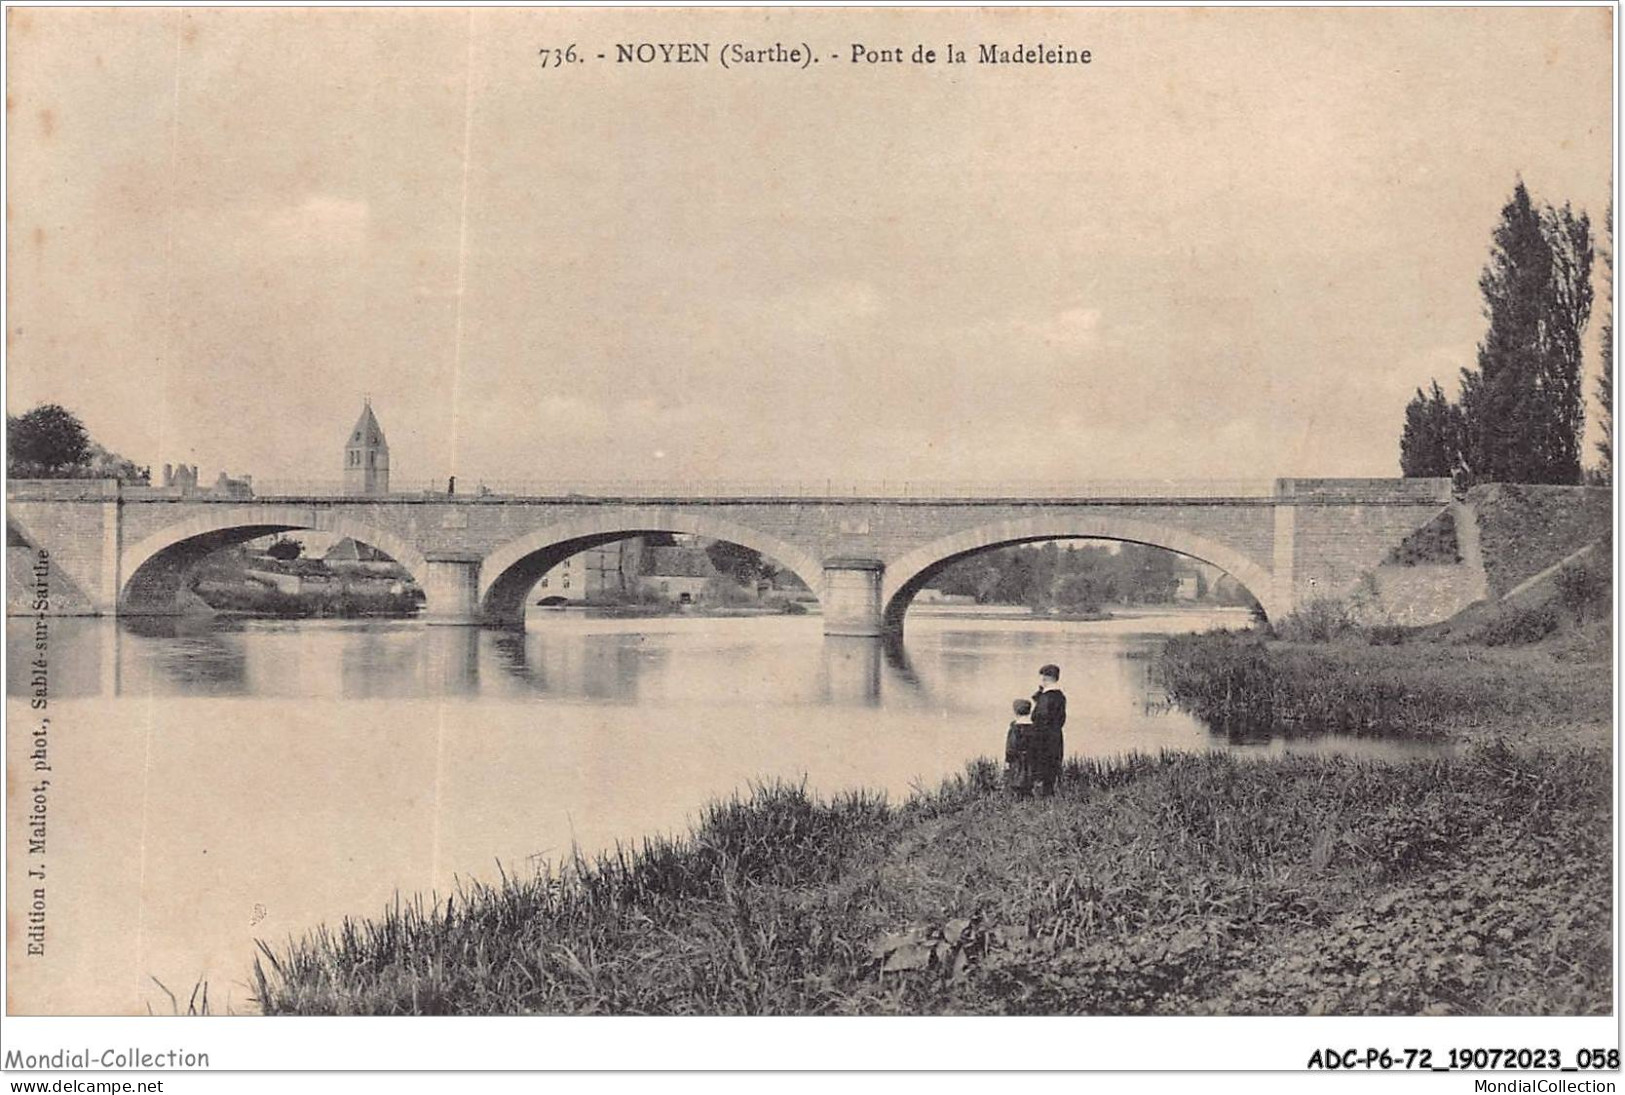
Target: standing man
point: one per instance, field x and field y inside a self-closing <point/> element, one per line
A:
<point x="1049" y="715"/>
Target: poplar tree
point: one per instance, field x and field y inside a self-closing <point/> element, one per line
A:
<point x="1430" y="447"/>
<point x="1605" y="381"/>
<point x="1523" y="407"/>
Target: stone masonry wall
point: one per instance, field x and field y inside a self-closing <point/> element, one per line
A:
<point x="78" y="534"/>
<point x="1335" y="546"/>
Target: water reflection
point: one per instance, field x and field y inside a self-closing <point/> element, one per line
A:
<point x="895" y="653"/>
<point x="180" y="657"/>
<point x="951" y="669"/>
<point x="375" y="659"/>
<point x="607" y="667"/>
<point x="451" y="660"/>
<point x="715" y="670"/>
<point x="851" y="668"/>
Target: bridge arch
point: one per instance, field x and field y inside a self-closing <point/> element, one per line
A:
<point x="508" y="573"/>
<point x="907" y="575"/>
<point x="151" y="569"/>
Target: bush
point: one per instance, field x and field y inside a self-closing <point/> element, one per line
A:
<point x="1584" y="586"/>
<point x="723" y="590"/>
<point x="1322" y="620"/>
<point x="1516" y="625"/>
<point x="1078" y="593"/>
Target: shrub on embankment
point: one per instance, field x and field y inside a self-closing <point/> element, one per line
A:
<point x="1178" y="884"/>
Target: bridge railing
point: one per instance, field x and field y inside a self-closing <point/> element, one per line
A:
<point x="466" y="489"/>
<point x="63" y="490"/>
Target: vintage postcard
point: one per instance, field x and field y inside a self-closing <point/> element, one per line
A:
<point x="1093" y="512"/>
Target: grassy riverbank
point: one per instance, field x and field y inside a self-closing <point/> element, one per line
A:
<point x="1536" y="673"/>
<point x="1421" y="690"/>
<point x="1180" y="884"/>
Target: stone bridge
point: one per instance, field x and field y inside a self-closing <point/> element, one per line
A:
<point x="116" y="549"/>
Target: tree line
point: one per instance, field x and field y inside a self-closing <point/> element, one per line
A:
<point x="1519" y="416"/>
<point x="49" y="442"/>
<point x="1076" y="578"/>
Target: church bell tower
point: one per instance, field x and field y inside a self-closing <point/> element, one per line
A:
<point x="366" y="456"/>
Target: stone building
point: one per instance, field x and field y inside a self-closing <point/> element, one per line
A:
<point x="366" y="456"/>
<point x="182" y="479"/>
<point x="609" y="572"/>
<point x="679" y="573"/>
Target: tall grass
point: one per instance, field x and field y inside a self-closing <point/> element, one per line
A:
<point x="1173" y="884"/>
<point x="594" y="935"/>
<point x="1419" y="690"/>
<point x="196" y="1004"/>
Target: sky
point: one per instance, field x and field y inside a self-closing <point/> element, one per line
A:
<point x="1230" y="247"/>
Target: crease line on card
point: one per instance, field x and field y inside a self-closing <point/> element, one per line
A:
<point x="163" y="423"/>
<point x="456" y="376"/>
<point x="462" y="243"/>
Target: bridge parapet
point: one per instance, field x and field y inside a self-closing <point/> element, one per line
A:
<point x="1118" y="491"/>
<point x="62" y="490"/>
<point x="1346" y="491"/>
<point x="720" y="490"/>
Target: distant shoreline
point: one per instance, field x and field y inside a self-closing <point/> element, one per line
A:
<point x="935" y="611"/>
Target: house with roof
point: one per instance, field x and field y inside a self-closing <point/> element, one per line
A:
<point x="608" y="572"/>
<point x="351" y="556"/>
<point x="679" y="573"/>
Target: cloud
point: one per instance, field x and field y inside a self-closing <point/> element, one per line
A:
<point x="830" y="305"/>
<point x="1070" y="328"/>
<point x="570" y="414"/>
<point x="1038" y="332"/>
<point x="322" y="224"/>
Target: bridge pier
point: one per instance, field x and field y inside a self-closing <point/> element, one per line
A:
<point x="451" y="588"/>
<point x="851" y="599"/>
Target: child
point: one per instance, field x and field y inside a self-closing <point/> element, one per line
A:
<point x="1019" y="744"/>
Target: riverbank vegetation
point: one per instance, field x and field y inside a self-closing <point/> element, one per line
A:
<point x="1417" y="689"/>
<point x="1176" y="884"/>
<point x="1532" y="667"/>
<point x="232" y="581"/>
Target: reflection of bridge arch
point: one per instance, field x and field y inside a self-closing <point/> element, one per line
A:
<point x="907" y="575"/>
<point x="151" y="569"/>
<point x="508" y="573"/>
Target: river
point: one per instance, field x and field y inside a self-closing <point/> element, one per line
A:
<point x="220" y="781"/>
